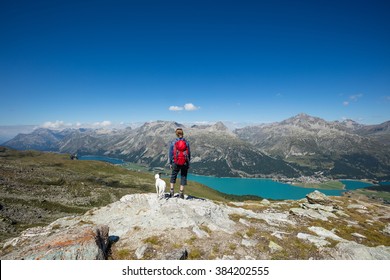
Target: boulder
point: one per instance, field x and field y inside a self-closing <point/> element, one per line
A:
<point x="265" y="202"/>
<point x="355" y="251"/>
<point x="317" y="197"/>
<point x="78" y="243"/>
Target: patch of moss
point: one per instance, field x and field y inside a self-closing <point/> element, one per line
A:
<point x="296" y="249"/>
<point x="154" y="240"/>
<point x="206" y="229"/>
<point x="236" y="217"/>
<point x="251" y="232"/>
<point x="191" y="240"/>
<point x="121" y="254"/>
<point x="232" y="246"/>
<point x="194" y="254"/>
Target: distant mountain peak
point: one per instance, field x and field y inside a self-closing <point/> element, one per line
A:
<point x="220" y="126"/>
<point x="302" y="115"/>
<point x="302" y="118"/>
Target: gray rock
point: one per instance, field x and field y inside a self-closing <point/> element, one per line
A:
<point x="279" y="234"/>
<point x="317" y="197"/>
<point x="387" y="229"/>
<point x="357" y="206"/>
<point x="140" y="252"/>
<point x="265" y="202"/>
<point x="244" y="222"/>
<point x="358" y="235"/>
<point x="248" y="242"/>
<point x="317" y="206"/>
<point x="355" y="251"/>
<point x="324" y="233"/>
<point x="310" y="213"/>
<point x="199" y="233"/>
<point x="316" y="240"/>
<point x="274" y="247"/>
<point x="146" y="211"/>
<point x="228" y="257"/>
<point x="175" y="222"/>
<point x="342" y="213"/>
<point x="273" y="219"/>
<point x="327" y="214"/>
<point x="180" y="254"/>
<point x="78" y="243"/>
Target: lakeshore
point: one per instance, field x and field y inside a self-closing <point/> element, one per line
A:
<point x="270" y="188"/>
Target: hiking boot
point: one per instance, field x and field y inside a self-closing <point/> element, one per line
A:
<point x="181" y="195"/>
<point x="171" y="193"/>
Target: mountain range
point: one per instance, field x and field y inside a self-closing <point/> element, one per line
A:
<point x="301" y="145"/>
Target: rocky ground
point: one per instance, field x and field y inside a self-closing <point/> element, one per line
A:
<point x="54" y="208"/>
<point x="141" y="226"/>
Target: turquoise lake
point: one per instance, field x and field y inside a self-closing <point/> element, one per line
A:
<point x="265" y="188"/>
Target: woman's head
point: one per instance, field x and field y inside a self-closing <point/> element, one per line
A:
<point x="179" y="132"/>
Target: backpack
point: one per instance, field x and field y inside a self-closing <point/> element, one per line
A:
<point x="180" y="152"/>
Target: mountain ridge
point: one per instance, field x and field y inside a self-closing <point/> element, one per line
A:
<point x="300" y="145"/>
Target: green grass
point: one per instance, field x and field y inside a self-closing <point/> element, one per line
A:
<point x="135" y="167"/>
<point x="374" y="194"/>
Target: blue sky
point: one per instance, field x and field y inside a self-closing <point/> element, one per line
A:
<point x="245" y="61"/>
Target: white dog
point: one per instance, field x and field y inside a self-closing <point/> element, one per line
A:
<point x="160" y="186"/>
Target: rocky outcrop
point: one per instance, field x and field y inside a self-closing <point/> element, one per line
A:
<point x="80" y="242"/>
<point x="141" y="226"/>
<point x="317" y="197"/>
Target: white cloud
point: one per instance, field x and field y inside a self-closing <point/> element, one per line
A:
<point x="190" y="107"/>
<point x="54" y="125"/>
<point x="187" y="107"/>
<point x="352" y="98"/>
<point x="59" y="125"/>
<point x="106" y="123"/>
<point x="103" y="124"/>
<point x="355" y="97"/>
<point x="175" y="108"/>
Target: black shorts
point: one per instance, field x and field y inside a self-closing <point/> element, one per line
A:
<point x="183" y="169"/>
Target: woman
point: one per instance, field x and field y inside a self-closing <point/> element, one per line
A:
<point x="179" y="161"/>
